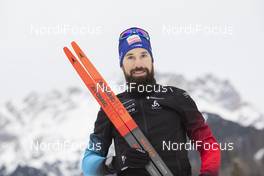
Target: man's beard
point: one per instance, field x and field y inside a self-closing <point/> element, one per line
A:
<point x="145" y="80"/>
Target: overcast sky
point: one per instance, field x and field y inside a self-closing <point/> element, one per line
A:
<point x="188" y="37"/>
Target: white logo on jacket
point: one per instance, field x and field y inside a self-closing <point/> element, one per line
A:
<point x="155" y="105"/>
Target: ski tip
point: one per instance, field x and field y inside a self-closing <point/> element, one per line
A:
<point x="69" y="55"/>
<point x="77" y="49"/>
<point x="65" y="49"/>
<point x="73" y="43"/>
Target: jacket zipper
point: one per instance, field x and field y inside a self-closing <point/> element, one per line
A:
<point x="143" y="115"/>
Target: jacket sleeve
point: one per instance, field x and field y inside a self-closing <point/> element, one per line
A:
<point x="97" y="149"/>
<point x="200" y="133"/>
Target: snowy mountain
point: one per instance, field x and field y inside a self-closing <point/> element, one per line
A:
<point x="217" y="96"/>
<point x="48" y="131"/>
<point x="46" y="134"/>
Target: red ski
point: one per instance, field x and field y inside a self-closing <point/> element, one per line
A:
<point x="115" y="110"/>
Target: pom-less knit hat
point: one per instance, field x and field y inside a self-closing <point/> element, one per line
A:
<point x="133" y="38"/>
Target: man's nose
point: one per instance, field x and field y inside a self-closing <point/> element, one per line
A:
<point x="138" y="62"/>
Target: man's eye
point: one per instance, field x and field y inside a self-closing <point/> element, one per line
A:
<point x="144" y="55"/>
<point x="130" y="57"/>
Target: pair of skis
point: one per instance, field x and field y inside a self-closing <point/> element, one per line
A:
<point x="115" y="110"/>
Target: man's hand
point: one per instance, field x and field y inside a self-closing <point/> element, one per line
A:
<point x="131" y="158"/>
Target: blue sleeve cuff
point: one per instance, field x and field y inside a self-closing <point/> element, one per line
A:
<point x="92" y="163"/>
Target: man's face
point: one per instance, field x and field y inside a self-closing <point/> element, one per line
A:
<point x="137" y="66"/>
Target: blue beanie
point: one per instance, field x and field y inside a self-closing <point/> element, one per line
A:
<point x="134" y="40"/>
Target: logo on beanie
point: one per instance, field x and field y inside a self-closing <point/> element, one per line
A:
<point x="133" y="39"/>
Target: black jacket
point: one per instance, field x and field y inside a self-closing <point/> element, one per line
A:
<point x="166" y="115"/>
